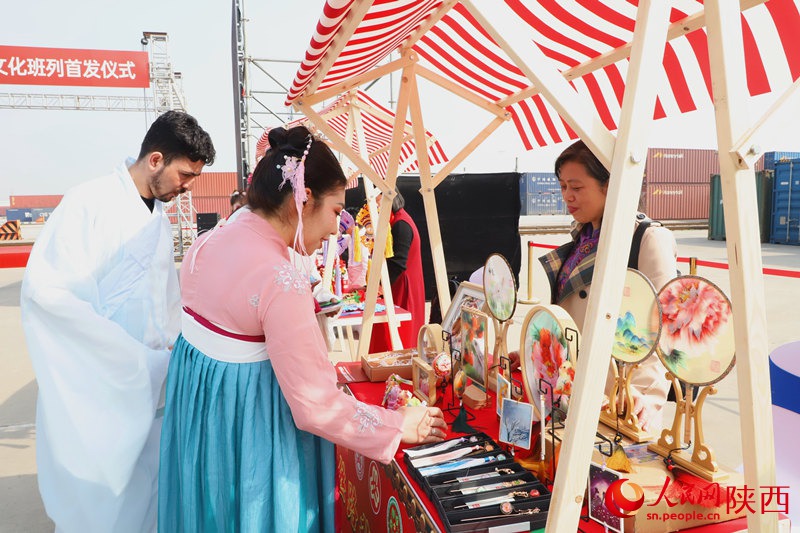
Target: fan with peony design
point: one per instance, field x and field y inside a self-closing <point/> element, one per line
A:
<point x="697" y="348"/>
<point x="548" y="348"/>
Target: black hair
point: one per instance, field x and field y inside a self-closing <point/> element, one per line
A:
<point x="579" y="153"/>
<point x="237" y="197"/>
<point x="177" y="134"/>
<point x="323" y="173"/>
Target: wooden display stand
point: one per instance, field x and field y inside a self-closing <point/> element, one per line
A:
<point x="702" y="462"/>
<point x="619" y="413"/>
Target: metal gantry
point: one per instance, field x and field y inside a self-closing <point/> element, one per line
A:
<point x="167" y="95"/>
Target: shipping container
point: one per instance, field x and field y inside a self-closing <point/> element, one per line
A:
<point x="203" y="204"/>
<point x="770" y="159"/>
<point x="680" y="165"/>
<point x="676" y="201"/>
<point x="716" y="214"/>
<point x="23" y="215"/>
<point x="786" y="203"/>
<point x="41" y="214"/>
<point x="215" y="184"/>
<point x="3" y="209"/>
<point x="35" y="200"/>
<point x="540" y="194"/>
<point x="212" y="204"/>
<point x="545" y="204"/>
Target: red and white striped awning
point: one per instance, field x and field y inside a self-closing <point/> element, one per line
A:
<point x="588" y="40"/>
<point x="377" y="122"/>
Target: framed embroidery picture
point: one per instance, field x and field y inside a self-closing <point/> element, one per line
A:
<point x="469" y="294"/>
<point x="475" y="345"/>
<point x="424" y="380"/>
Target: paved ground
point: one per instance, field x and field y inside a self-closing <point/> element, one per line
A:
<point x="20" y="506"/>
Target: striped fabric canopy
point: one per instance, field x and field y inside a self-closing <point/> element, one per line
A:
<point x="588" y="40"/>
<point x="377" y="122"/>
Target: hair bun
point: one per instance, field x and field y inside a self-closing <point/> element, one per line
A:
<point x="277" y="137"/>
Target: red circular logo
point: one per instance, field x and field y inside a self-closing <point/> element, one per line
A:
<point x="620" y="505"/>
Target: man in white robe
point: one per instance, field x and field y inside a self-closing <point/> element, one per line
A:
<point x="101" y="309"/>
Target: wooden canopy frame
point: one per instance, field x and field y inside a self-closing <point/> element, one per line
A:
<point x="624" y="155"/>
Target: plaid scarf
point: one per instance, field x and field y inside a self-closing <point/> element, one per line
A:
<point x="580" y="254"/>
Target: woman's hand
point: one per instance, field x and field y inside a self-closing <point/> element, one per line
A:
<point x="422" y="425"/>
<point x="648" y="410"/>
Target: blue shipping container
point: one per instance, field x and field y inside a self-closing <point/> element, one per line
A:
<point x="540" y="194"/>
<point x="23" y="215"/>
<point x="786" y="203"/>
<point x="773" y="158"/>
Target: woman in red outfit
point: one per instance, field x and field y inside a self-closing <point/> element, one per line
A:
<point x="405" y="273"/>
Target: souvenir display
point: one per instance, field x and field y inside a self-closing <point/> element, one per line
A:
<point x="696" y="343"/>
<point x="603" y="485"/>
<point x="442" y="367"/>
<point x="697" y="347"/>
<point x="516" y="421"/>
<point x="548" y="346"/>
<point x="502" y="392"/>
<point x="475" y="487"/>
<point x="395" y="397"/>
<point x="475" y="346"/>
<point x="424" y="380"/>
<point x="430" y="341"/>
<point x="501" y="300"/>
<point x="635" y="339"/>
<point x="499" y="287"/>
<point x="639" y="320"/>
<point x="379" y="366"/>
<point x="468" y="294"/>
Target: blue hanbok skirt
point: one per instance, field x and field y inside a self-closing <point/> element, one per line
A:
<point x="232" y="458"/>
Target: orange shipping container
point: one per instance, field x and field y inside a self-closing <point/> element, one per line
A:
<point x="676" y="201"/>
<point x="215" y="184"/>
<point x="680" y="165"/>
<point x="212" y="204"/>
<point x="34" y="200"/>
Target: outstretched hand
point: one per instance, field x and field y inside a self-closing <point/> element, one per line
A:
<point x="422" y="425"/>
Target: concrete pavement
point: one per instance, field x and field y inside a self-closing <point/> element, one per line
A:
<point x="20" y="505"/>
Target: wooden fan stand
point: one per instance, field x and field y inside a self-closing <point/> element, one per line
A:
<point x="619" y="414"/>
<point x="701" y="463"/>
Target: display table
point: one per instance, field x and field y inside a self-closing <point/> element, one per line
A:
<point x="346" y="321"/>
<point x="375" y="497"/>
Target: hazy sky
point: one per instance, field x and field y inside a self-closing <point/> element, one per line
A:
<point x="47" y="152"/>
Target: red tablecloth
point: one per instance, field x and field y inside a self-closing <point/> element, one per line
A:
<point x="486" y="420"/>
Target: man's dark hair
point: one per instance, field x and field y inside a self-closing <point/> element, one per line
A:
<point x="177" y="134"/>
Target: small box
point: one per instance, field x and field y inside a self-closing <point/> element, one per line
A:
<point x="379" y="366"/>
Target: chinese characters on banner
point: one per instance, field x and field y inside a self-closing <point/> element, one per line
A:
<point x="24" y="65"/>
<point x="774" y="498"/>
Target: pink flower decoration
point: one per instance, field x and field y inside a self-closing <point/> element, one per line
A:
<point x="693" y="312"/>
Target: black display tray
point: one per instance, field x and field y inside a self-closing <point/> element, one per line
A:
<point x="442" y="489"/>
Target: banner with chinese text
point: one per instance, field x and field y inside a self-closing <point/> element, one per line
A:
<point x="26" y="65"/>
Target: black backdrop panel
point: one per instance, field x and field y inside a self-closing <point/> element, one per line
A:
<point x="478" y="216"/>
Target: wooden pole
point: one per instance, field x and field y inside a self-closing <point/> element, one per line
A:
<point x="729" y="81"/>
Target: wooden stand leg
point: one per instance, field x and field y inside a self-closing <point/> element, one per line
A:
<point x="702" y="462"/>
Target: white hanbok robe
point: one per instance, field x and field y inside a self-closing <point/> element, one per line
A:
<point x="101" y="310"/>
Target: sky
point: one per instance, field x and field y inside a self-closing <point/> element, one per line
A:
<point x="47" y="152"/>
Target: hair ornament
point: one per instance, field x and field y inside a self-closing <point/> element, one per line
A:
<point x="293" y="172"/>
